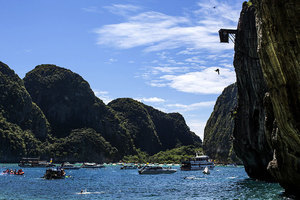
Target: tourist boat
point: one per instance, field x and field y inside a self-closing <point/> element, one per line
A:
<point x="54" y="173"/>
<point x="92" y="165"/>
<point x="35" y="162"/>
<point x="197" y="163"/>
<point x="156" y="170"/>
<point x="129" y="167"/>
<point x="68" y="166"/>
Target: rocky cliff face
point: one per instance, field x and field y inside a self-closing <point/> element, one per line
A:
<point x="267" y="126"/>
<point x="218" y="132"/>
<point x="69" y="103"/>
<point x="172" y="129"/>
<point x="83" y="128"/>
<point x="152" y="130"/>
<point x="279" y="52"/>
<point x="250" y="143"/>
<point x="137" y="120"/>
<point x="22" y="122"/>
<point x="16" y="104"/>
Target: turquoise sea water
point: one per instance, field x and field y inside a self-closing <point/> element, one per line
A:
<point x="113" y="183"/>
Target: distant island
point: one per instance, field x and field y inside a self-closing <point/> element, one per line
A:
<point x="53" y="113"/>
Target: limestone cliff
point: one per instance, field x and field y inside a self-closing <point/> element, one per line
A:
<point x="218" y="132"/>
<point x="152" y="130"/>
<point x="250" y="143"/>
<point x="279" y="52"/>
<point x="69" y="103"/>
<point x="172" y="129"/>
<point x="136" y="119"/>
<point x="16" y="104"/>
<point x="22" y="122"/>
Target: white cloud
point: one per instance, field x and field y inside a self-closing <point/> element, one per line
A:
<point x="192" y="37"/>
<point x="227" y="65"/>
<point x="195" y="59"/>
<point x="170" y="70"/>
<point x="197" y="126"/>
<point x="103" y="95"/>
<point x="151" y="100"/>
<point x="194" y="106"/>
<point x="206" y="81"/>
<point x="122" y="9"/>
<point x="196" y="29"/>
<point x="157" y="31"/>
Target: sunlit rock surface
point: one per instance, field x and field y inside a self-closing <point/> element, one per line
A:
<point x="279" y="52"/>
<point x="250" y="142"/>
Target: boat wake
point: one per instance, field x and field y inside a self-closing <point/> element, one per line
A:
<point x="232" y="177"/>
<point x="193" y="178"/>
<point x="86" y="192"/>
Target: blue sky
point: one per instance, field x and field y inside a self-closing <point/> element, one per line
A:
<point x="160" y="52"/>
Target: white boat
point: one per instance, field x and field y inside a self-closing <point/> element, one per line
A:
<point x="197" y="163"/>
<point x="68" y="166"/>
<point x="206" y="170"/>
<point x="35" y="162"/>
<point x="129" y="167"/>
<point x="92" y="165"/>
<point x="156" y="170"/>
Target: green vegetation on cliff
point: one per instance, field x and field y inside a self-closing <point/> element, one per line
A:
<point x="137" y="121"/>
<point x="175" y="155"/>
<point x="22" y="123"/>
<point x="82" y="145"/>
<point x="16" y="105"/>
<point x="69" y="103"/>
<point x="152" y="130"/>
<point x="58" y="116"/>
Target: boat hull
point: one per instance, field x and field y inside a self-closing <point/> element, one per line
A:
<point x="195" y="168"/>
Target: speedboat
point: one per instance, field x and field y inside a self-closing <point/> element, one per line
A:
<point x="197" y="163"/>
<point x="92" y="165"/>
<point x="156" y="170"/>
<point x="68" y="166"/>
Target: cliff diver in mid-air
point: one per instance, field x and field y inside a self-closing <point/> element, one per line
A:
<point x="217" y="70"/>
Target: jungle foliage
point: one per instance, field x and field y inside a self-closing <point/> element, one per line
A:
<point x="53" y="113"/>
<point x="175" y="155"/>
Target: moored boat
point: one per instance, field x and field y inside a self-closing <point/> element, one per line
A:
<point x="35" y="162"/>
<point x="197" y="163"/>
<point x="69" y="166"/>
<point x="130" y="166"/>
<point x="156" y="170"/>
<point x="92" y="165"/>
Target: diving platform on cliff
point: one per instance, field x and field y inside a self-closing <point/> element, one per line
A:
<point x="226" y="34"/>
